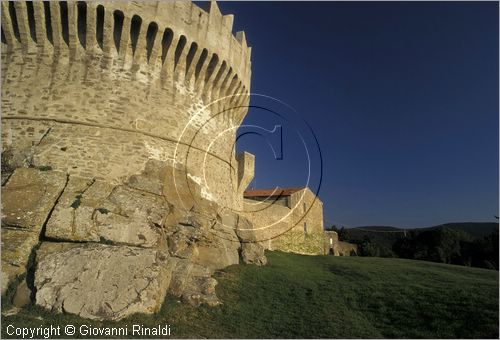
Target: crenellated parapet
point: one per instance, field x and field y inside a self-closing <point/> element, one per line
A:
<point x="101" y="87"/>
<point x="170" y="39"/>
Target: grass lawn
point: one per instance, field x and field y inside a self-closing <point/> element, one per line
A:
<point x="298" y="296"/>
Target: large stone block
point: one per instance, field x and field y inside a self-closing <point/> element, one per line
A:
<point x="99" y="281"/>
<point x="17" y="245"/>
<point x="151" y="179"/>
<point x="27" y="200"/>
<point x="193" y="283"/>
<point x="97" y="211"/>
<point x="253" y="253"/>
<point x="218" y="247"/>
<point x="29" y="196"/>
<point x="132" y="217"/>
<point x="70" y="220"/>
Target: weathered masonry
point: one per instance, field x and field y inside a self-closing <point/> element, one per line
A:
<point x="287" y="219"/>
<point x="291" y="220"/>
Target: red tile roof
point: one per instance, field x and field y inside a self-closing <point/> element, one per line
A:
<point x="271" y="192"/>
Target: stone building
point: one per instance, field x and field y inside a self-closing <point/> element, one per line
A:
<point x="333" y="246"/>
<point x="288" y="219"/>
<point x="291" y="219"/>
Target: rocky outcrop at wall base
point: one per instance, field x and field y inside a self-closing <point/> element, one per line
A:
<point x="27" y="201"/>
<point x="100" y="281"/>
<point x="105" y="251"/>
<point x="253" y="253"/>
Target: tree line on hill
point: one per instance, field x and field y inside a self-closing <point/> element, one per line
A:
<point x="439" y="244"/>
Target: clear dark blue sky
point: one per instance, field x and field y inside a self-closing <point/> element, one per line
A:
<point x="402" y="97"/>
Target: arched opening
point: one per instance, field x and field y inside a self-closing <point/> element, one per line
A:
<point x="203" y="58"/>
<point x="31" y="19"/>
<point x="220" y="73"/>
<point x="117" y="28"/>
<point x="166" y="41"/>
<point x="135" y="30"/>
<point x="178" y="49"/>
<point x="63" y="9"/>
<point x="81" y="22"/>
<point x="48" y="22"/>
<point x="330" y="252"/>
<point x="225" y="81"/>
<point x="190" y="55"/>
<point x="232" y="84"/>
<point x="99" y="26"/>
<point x="13" y="18"/>
<point x="211" y="66"/>
<point x="150" y="38"/>
<point x="234" y="93"/>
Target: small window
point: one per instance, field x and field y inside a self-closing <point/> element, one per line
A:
<point x="305" y="227"/>
<point x="304" y="207"/>
<point x="331" y="240"/>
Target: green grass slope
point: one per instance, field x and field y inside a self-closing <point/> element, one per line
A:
<point x="298" y="296"/>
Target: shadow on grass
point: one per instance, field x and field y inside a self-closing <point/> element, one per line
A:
<point x="297" y="296"/>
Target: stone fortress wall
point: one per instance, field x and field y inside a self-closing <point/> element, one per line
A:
<point x="95" y="89"/>
<point x="293" y="222"/>
<point x="119" y="173"/>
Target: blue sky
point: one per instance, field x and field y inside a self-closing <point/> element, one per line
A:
<point x="401" y="96"/>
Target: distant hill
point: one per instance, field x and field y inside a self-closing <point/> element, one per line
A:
<point x="382" y="235"/>
<point x="474" y="229"/>
<point x="464" y="243"/>
<point x="386" y="235"/>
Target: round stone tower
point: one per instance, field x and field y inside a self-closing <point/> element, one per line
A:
<point x="96" y="89"/>
<point x="118" y="165"/>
